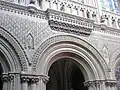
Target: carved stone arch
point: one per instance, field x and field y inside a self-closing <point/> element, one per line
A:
<point x="15" y="50"/>
<point x="114" y="61"/>
<point x="84" y="48"/>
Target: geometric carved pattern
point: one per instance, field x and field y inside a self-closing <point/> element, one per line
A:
<point x="20" y="28"/>
<point x="17" y="47"/>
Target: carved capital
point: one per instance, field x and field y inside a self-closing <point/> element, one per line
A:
<point x="110" y="83"/>
<point x="34" y="79"/>
<point x="93" y="83"/>
<point x="24" y="79"/>
<point x="5" y="77"/>
<point x="11" y="76"/>
<point x="44" y="78"/>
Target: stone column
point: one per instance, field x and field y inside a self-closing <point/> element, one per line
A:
<point x="24" y="82"/>
<point x="11" y="81"/>
<point x="5" y="79"/>
<point x="43" y="81"/>
<point x="34" y="81"/>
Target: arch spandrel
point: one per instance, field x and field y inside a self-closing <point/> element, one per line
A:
<point x="91" y="54"/>
<point x="10" y="46"/>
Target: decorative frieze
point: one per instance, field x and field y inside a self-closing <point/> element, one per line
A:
<point x="69" y="23"/>
<point x="23" y="10"/>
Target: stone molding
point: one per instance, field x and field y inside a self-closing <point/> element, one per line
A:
<point x="23" y="10"/>
<point x="69" y="39"/>
<point x="18" y="48"/>
<point x="69" y="23"/>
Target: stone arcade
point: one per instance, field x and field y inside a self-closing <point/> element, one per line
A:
<point x="59" y="45"/>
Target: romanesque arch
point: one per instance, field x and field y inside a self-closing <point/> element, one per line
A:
<point x="12" y="61"/>
<point x="115" y="67"/>
<point x="93" y="66"/>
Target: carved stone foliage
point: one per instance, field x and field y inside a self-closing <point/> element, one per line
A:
<point x="68" y="23"/>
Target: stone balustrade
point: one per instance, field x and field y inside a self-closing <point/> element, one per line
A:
<point x="70" y="7"/>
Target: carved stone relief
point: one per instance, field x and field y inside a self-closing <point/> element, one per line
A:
<point x="105" y="53"/>
<point x="29" y="42"/>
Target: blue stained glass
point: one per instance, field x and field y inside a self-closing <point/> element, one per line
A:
<point x="116" y="6"/>
<point x="110" y="5"/>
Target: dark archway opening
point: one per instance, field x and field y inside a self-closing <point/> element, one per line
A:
<point x="65" y="75"/>
<point x="1" y="83"/>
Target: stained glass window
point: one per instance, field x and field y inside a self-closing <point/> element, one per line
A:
<point x="116" y="6"/>
<point x="102" y="4"/>
<point x="107" y="5"/>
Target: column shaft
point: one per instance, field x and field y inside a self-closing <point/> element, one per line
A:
<point x="24" y="86"/>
